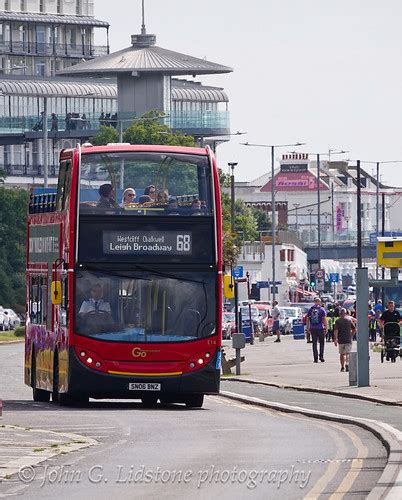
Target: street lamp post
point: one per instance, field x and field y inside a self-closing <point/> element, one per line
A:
<point x="232" y="166"/>
<point x="273" y="222"/>
<point x="297" y="205"/>
<point x="310" y="211"/>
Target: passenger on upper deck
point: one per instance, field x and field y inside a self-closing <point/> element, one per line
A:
<point x="107" y="199"/>
<point x="173" y="207"/>
<point x="150" y="191"/>
<point x="129" y="195"/>
<point x="145" y="200"/>
<point x="163" y="196"/>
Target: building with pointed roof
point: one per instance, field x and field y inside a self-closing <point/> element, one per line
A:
<point x="144" y="74"/>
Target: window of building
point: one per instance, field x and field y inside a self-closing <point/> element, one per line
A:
<point x="23" y="5"/>
<point x="282" y="255"/>
<point x="291" y="255"/>
<point x="42" y="6"/>
<point x="59" y="7"/>
<point x="78" y="7"/>
<point x="40" y="67"/>
<point x="6" y="4"/>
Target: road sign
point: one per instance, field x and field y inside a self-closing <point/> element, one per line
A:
<point x="262" y="284"/>
<point x="276" y="282"/>
<point x="319" y="286"/>
<point x="334" y="277"/>
<point x="238" y="271"/>
<point x="320" y="274"/>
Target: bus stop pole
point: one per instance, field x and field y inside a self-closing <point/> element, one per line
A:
<point x="236" y="298"/>
<point x="249" y="308"/>
<point x="363" y="357"/>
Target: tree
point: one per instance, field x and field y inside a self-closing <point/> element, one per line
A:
<point x="148" y="130"/>
<point x="246" y="223"/>
<point x="230" y="243"/>
<point x="13" y="216"/>
<point x="263" y="221"/>
<point x="105" y="136"/>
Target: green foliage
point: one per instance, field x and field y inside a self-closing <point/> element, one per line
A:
<point x="148" y="130"/>
<point x="19" y="331"/>
<point x="13" y="215"/>
<point x="262" y="218"/>
<point x="105" y="135"/>
<point x="246" y="223"/>
<point x="224" y="179"/>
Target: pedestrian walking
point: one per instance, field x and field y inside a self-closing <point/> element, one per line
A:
<point x="372" y="318"/>
<point x="316" y="324"/>
<point x="276" y="315"/>
<point x="343" y="332"/>
<point x="330" y="323"/>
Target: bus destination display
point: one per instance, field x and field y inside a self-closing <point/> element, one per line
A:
<point x="147" y="243"/>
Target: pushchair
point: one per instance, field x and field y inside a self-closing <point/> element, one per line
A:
<point x="391" y="347"/>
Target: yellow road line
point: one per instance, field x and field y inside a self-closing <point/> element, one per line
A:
<point x="355" y="468"/>
<point x="333" y="467"/>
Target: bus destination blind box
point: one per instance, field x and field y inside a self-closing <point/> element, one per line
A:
<point x="389" y="252"/>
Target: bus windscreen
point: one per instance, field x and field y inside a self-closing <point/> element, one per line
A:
<point x="145" y="305"/>
<point x="145" y="183"/>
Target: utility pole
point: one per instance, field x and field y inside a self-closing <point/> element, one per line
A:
<point x="232" y="166"/>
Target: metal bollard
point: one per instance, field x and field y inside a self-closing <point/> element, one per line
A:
<point x="238" y="343"/>
<point x="353" y="368"/>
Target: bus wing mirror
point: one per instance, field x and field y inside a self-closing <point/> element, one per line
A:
<point x="56" y="293"/>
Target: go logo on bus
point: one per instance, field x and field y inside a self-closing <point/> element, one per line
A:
<point x="137" y="352"/>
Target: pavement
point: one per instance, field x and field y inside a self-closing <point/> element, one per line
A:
<point x="22" y="449"/>
<point x="290" y="364"/>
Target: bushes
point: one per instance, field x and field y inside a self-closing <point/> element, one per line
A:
<point x="19" y="331"/>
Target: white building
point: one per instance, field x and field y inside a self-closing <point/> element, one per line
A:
<point x="41" y="37"/>
<point x="297" y="198"/>
<point x="290" y="268"/>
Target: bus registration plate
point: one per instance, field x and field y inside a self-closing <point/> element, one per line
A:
<point x="144" y="386"/>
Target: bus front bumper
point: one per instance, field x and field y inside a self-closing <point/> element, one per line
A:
<point x="100" y="385"/>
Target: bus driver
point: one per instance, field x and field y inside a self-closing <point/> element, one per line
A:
<point x="95" y="313"/>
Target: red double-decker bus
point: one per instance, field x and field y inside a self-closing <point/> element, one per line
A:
<point x="124" y="277"/>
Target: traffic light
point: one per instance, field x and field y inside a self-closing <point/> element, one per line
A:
<point x="312" y="280"/>
<point x="228" y="286"/>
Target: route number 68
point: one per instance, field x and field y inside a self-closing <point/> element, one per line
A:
<point x="183" y="243"/>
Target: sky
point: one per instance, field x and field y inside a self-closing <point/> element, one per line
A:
<point x="324" y="72"/>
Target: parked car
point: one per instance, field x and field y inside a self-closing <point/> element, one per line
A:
<point x="2" y="322"/>
<point x="264" y="311"/>
<point x="6" y="320"/>
<point x="304" y="306"/>
<point x="288" y="314"/>
<point x="228" y="325"/>
<point x="13" y="317"/>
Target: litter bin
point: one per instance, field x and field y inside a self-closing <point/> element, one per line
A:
<point x="298" y="329"/>
<point x="353" y="368"/>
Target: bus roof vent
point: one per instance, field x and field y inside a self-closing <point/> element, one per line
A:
<point x="118" y="144"/>
<point x="87" y="145"/>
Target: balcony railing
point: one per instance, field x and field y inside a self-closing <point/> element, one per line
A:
<point x="204" y="122"/>
<point x="52" y="49"/>
<point x="185" y="120"/>
<point x="29" y="170"/>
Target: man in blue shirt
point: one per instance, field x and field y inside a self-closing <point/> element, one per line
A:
<point x="378" y="306"/>
<point x="317" y="325"/>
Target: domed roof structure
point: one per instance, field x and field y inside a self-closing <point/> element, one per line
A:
<point x="145" y="57"/>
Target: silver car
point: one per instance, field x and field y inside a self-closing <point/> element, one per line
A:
<point x="288" y="314"/>
<point x="14" y="319"/>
